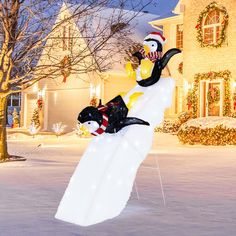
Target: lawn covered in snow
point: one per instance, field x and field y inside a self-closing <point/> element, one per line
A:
<point x="199" y="185"/>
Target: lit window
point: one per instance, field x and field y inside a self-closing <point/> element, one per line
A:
<point x="14" y="100"/>
<point x="67" y="38"/>
<point x="64" y="46"/>
<point x="70" y="41"/>
<point x="179" y="36"/>
<point x="212" y="27"/>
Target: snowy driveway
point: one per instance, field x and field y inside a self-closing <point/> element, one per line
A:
<point x="199" y="185"/>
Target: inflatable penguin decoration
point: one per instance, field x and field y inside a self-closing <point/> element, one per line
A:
<point x="152" y="54"/>
<point x="103" y="181"/>
<point x="109" y="118"/>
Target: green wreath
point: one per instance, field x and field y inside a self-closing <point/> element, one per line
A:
<point x="212" y="6"/>
<point x="213" y="95"/>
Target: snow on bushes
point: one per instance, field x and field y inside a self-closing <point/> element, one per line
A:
<point x="172" y="126"/>
<point x="209" y="131"/>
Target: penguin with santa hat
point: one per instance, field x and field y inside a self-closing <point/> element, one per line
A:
<point x="152" y="51"/>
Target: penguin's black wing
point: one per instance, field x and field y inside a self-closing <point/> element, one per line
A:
<point x="170" y="53"/>
<point x="139" y="56"/>
<point x="158" y="67"/>
<point x="128" y="121"/>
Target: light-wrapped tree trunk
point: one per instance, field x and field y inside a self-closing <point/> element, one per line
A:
<point x="3" y="136"/>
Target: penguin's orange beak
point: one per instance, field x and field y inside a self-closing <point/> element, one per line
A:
<point x="146" y="49"/>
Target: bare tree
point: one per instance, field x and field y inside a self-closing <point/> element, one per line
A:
<point x="26" y="30"/>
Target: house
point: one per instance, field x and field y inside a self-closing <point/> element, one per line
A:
<point x="61" y="99"/>
<point x="205" y="72"/>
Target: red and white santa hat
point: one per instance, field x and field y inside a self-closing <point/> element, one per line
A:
<point x="157" y="36"/>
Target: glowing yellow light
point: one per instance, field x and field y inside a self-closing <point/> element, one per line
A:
<point x="133" y="98"/>
<point x="146" y="68"/>
<point x="40" y="93"/>
<point x="130" y="71"/>
<point x="122" y="94"/>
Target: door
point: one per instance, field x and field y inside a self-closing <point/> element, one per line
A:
<point x="211" y="98"/>
<point x="214" y="98"/>
<point x="64" y="106"/>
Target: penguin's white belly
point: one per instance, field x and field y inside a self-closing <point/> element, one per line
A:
<point x="151" y="105"/>
<point x="102" y="182"/>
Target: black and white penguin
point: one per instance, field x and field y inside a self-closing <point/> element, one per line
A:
<point x="152" y="50"/>
<point x="108" y="118"/>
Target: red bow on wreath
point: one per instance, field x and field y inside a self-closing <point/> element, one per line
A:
<point x="234" y="105"/>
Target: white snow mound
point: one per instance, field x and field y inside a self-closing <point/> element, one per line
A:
<point x="211" y="122"/>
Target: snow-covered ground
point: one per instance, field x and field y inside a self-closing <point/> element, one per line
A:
<point x="199" y="185"/>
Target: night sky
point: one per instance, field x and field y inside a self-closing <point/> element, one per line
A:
<point x="158" y="7"/>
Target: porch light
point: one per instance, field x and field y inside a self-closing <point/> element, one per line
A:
<point x="95" y="90"/>
<point x="190" y="86"/>
<point x="40" y="93"/>
<point x="186" y="86"/>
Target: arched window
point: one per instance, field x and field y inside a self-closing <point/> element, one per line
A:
<point x="212" y="27"/>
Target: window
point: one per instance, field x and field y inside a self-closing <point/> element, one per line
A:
<point x="67" y="38"/>
<point x="64" y="46"/>
<point x="70" y="40"/>
<point x="212" y="27"/>
<point x="14" y="100"/>
<point x="179" y="36"/>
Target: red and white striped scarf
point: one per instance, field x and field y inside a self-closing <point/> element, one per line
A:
<point x="104" y="124"/>
<point x="152" y="56"/>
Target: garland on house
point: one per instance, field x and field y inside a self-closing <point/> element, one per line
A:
<point x="213" y="95"/>
<point x="226" y="75"/>
<point x="212" y="6"/>
<point x="190" y="99"/>
<point x="180" y="68"/>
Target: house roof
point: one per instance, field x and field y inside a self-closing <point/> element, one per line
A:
<point x="172" y="14"/>
<point x="138" y="28"/>
<point x="139" y="24"/>
<point x="166" y="15"/>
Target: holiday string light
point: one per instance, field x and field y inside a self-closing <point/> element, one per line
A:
<point x="33" y="129"/>
<point x="218" y="136"/>
<point x="172" y="126"/>
<point x="58" y="128"/>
